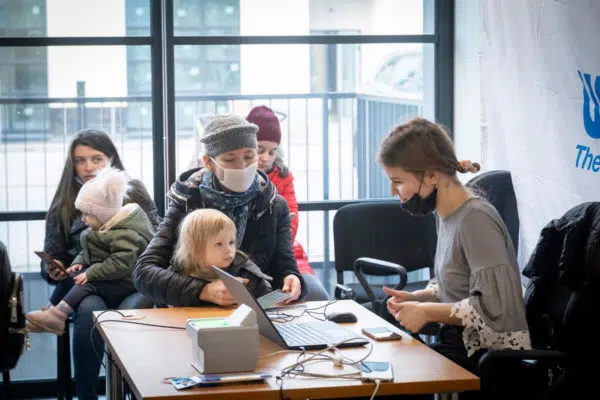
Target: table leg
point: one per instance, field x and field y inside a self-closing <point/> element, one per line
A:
<point x="114" y="381"/>
<point x="446" y="396"/>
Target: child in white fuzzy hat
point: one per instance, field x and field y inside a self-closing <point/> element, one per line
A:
<point x="116" y="236"/>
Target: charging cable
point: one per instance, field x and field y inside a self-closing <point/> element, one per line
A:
<point x="377" y="383"/>
<point x="296" y="369"/>
<point x="125" y="319"/>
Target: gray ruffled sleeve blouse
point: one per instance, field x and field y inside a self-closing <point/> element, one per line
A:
<point x="476" y="269"/>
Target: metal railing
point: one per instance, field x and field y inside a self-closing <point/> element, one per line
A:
<point x="329" y="143"/>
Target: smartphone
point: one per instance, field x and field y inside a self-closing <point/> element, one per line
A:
<point x="270" y="299"/>
<point x="381" y="333"/>
<point x="371" y="370"/>
<point x="49" y="260"/>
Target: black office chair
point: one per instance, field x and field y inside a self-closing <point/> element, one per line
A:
<point x="561" y="304"/>
<point x="497" y="188"/>
<point x="364" y="234"/>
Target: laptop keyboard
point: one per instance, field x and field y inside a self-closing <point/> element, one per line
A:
<point x="310" y="334"/>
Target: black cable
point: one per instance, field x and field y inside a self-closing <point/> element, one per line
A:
<point x="281" y="316"/>
<point x="98" y="322"/>
<point x="126" y="388"/>
<point x="279" y="379"/>
<point x="92" y="339"/>
<point x="302" y="353"/>
<point x="312" y="310"/>
<point x="125" y="385"/>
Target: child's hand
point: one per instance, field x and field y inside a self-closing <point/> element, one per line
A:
<point x="216" y="293"/>
<point x="81" y="279"/>
<point x="74" y="268"/>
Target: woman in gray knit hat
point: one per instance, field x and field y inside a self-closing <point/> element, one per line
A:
<point x="231" y="183"/>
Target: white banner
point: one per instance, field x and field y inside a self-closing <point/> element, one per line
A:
<point x="540" y="80"/>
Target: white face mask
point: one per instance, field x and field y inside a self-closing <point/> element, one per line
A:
<point x="237" y="180"/>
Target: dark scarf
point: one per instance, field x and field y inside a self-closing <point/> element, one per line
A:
<point x="236" y="206"/>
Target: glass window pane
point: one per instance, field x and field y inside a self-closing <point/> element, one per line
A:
<point x="302" y="17"/>
<point x="34" y="134"/>
<point x="72" y="18"/>
<point x="338" y="99"/>
<point x="207" y="69"/>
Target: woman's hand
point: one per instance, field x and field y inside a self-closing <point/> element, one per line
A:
<point x="291" y="284"/>
<point x="398" y="296"/>
<point x="216" y="293"/>
<point x="81" y="279"/>
<point x="56" y="273"/>
<point x="411" y="315"/>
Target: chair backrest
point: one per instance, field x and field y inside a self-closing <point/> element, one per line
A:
<point x="497" y="188"/>
<point x="564" y="289"/>
<point x="385" y="231"/>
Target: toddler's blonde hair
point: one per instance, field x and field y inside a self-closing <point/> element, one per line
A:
<point x="194" y="232"/>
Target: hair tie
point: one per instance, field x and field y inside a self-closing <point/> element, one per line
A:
<point x="465" y="166"/>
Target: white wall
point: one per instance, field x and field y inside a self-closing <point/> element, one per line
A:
<point x="104" y="68"/>
<point x="274" y="68"/>
<point x="532" y="53"/>
<point x="467" y="84"/>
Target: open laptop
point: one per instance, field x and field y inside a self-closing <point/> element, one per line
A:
<point x="290" y="335"/>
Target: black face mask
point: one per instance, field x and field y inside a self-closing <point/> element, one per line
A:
<point x="417" y="205"/>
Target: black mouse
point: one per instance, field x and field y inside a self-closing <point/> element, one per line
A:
<point x="341" y="317"/>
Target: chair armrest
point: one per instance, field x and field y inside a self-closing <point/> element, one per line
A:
<point x="491" y="361"/>
<point x="539" y="355"/>
<point x="343" y="292"/>
<point x="370" y="266"/>
<point x="497" y="367"/>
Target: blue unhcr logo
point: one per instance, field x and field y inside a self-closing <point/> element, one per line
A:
<point x="591" y="114"/>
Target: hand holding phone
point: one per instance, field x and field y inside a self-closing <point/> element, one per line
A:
<point x="381" y="333"/>
<point x="275" y="297"/>
<point x="53" y="264"/>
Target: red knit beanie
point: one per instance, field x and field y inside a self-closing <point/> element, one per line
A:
<point x="268" y="124"/>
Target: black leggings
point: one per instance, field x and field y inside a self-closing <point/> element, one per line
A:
<point x="507" y="376"/>
<point x="450" y="345"/>
<point x="112" y="292"/>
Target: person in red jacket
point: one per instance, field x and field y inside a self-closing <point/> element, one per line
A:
<point x="269" y="161"/>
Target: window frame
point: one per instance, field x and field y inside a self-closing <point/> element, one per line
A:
<point x="162" y="41"/>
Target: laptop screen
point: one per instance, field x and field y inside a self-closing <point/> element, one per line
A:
<point x="240" y="293"/>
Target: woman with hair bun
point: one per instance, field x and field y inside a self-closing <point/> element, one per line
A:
<point x="476" y="295"/>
